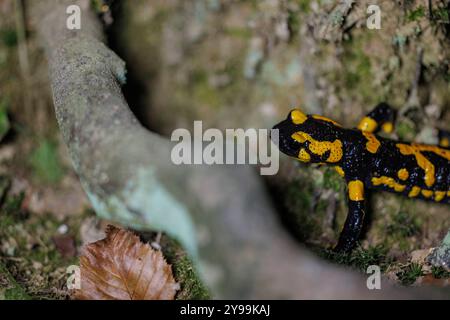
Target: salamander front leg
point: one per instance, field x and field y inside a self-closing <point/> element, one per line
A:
<point x="355" y="217"/>
<point x="381" y="117"/>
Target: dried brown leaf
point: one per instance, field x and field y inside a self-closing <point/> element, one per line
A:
<point x="121" y="267"/>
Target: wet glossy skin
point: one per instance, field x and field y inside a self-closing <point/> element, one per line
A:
<point x="367" y="161"/>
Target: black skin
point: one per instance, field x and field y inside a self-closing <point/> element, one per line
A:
<point x="443" y="134"/>
<point x="358" y="163"/>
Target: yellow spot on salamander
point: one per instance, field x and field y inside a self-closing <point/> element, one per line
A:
<point x="416" y="150"/>
<point x="427" y="193"/>
<point x="356" y="190"/>
<point x="300" y="137"/>
<point x="444" y="143"/>
<point x="414" y="192"/>
<point x="320" y="147"/>
<point x="339" y="171"/>
<point x="318" y="117"/>
<point x="304" y="156"/>
<point x="373" y="143"/>
<point x="368" y="124"/>
<point x="439" y="195"/>
<point x="298" y="117"/>
<point x="403" y="174"/>
<point x="388" y="181"/>
<point x="387" y="127"/>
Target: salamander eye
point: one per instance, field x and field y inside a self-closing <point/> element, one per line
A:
<point x="298" y="117"/>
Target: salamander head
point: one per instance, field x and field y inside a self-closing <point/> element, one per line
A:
<point x="310" y="138"/>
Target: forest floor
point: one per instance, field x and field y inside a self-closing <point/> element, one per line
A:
<point x="45" y="217"/>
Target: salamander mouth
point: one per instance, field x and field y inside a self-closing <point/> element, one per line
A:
<point x="285" y="143"/>
<point x="289" y="146"/>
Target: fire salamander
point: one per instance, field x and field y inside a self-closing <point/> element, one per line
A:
<point x="368" y="161"/>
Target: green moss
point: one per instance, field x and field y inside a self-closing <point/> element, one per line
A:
<point x="28" y="239"/>
<point x="201" y="89"/>
<point x="9" y="37"/>
<point x="299" y="200"/>
<point x="360" y="71"/>
<point x="321" y="206"/>
<point x="360" y="258"/>
<point x="403" y="225"/>
<point x="207" y="95"/>
<point x="45" y="162"/>
<point x="405" y="130"/>
<point x="441" y="15"/>
<point x="332" y="180"/>
<point x="13" y="204"/>
<point x="353" y="78"/>
<point x="299" y="195"/>
<point x="192" y="288"/>
<point x="9" y="288"/>
<point x="293" y="22"/>
<point x="416" y="14"/>
<point x="4" y="121"/>
<point x="305" y="5"/>
<point x="16" y="293"/>
<point x="409" y="274"/>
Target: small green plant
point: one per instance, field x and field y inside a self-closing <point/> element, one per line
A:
<point x="440" y="272"/>
<point x="441" y="15"/>
<point x="416" y="14"/>
<point x="410" y="273"/>
<point x="360" y="258"/>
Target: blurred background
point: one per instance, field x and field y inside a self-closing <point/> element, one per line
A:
<point x="231" y="64"/>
